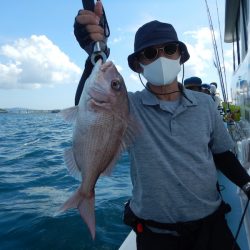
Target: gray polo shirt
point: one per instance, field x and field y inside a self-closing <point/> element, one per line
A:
<point x="172" y="169"/>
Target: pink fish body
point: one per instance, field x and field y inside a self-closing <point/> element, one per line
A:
<point x="100" y="134"/>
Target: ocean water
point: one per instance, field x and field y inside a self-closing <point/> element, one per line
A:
<point x="34" y="183"/>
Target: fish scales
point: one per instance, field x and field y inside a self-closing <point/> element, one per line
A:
<point x="98" y="141"/>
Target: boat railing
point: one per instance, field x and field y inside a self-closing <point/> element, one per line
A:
<point x="243" y="153"/>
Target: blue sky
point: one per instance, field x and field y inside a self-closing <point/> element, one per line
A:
<point x="41" y="62"/>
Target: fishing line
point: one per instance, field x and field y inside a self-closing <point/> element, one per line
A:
<point x="217" y="58"/>
<point x="222" y="51"/>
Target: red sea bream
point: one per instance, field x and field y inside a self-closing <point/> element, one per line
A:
<point x="100" y="134"/>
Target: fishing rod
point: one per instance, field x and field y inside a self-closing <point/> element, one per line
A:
<point x="217" y="58"/>
<point x="99" y="48"/>
<point x="222" y="51"/>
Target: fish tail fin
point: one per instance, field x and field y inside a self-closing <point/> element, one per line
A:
<point x="72" y="202"/>
<point x="86" y="208"/>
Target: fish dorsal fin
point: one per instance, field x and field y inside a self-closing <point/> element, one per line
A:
<point x="69" y="114"/>
<point x="71" y="164"/>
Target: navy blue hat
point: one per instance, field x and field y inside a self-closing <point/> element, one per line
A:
<point x="205" y="86"/>
<point x="155" y="33"/>
<point x="194" y="80"/>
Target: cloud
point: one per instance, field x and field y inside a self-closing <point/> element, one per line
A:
<point x="117" y="40"/>
<point x="33" y="62"/>
<point x="133" y="82"/>
<point x="202" y="58"/>
<point x="200" y="48"/>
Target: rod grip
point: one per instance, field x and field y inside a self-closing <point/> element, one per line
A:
<point x="88" y="4"/>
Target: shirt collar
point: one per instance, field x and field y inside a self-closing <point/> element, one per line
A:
<point x="149" y="98"/>
<point x="188" y="97"/>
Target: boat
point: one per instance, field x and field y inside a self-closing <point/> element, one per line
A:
<point x="237" y="33"/>
<point x="130" y="242"/>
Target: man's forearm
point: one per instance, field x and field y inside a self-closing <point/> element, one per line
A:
<point x="230" y="166"/>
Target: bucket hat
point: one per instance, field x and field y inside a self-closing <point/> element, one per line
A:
<point x="205" y="86"/>
<point x="155" y="33"/>
<point x="194" y="81"/>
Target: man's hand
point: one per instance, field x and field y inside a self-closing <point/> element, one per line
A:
<point x="246" y="189"/>
<point x="87" y="29"/>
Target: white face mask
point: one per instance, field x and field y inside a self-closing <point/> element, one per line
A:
<point x="162" y="71"/>
<point x="212" y="89"/>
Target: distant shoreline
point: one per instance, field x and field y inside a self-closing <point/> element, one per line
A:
<point x="3" y="111"/>
<point x="27" y="111"/>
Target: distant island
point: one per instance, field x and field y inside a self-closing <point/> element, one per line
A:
<point x="3" y="111"/>
<point x="27" y="111"/>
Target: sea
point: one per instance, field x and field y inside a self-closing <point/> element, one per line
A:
<point x="34" y="183"/>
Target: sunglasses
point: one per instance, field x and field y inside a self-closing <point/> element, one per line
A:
<point x="151" y="53"/>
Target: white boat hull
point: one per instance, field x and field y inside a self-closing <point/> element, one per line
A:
<point x="130" y="242"/>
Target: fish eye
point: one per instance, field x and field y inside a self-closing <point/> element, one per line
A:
<point x="115" y="84"/>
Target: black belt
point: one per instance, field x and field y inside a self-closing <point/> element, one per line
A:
<point x="136" y="223"/>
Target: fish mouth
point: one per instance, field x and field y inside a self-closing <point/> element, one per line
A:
<point x="97" y="101"/>
<point x="97" y="104"/>
<point x="99" y="97"/>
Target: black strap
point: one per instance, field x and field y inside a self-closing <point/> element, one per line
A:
<point x="86" y="73"/>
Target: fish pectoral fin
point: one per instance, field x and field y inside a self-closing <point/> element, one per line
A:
<point x="86" y="208"/>
<point x="133" y="129"/>
<point x="69" y="114"/>
<point x="109" y="168"/>
<point x="71" y="164"/>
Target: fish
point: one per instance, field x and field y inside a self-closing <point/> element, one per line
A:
<point x="103" y="129"/>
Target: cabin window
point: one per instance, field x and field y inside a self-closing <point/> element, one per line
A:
<point x="240" y="45"/>
<point x="238" y="41"/>
<point x="244" y="11"/>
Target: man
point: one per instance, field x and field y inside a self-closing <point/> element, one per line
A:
<point x="205" y="88"/>
<point x="213" y="84"/>
<point x="193" y="83"/>
<point x="175" y="204"/>
<point x="213" y="89"/>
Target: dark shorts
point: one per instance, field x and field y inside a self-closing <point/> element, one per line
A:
<point x="208" y="237"/>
